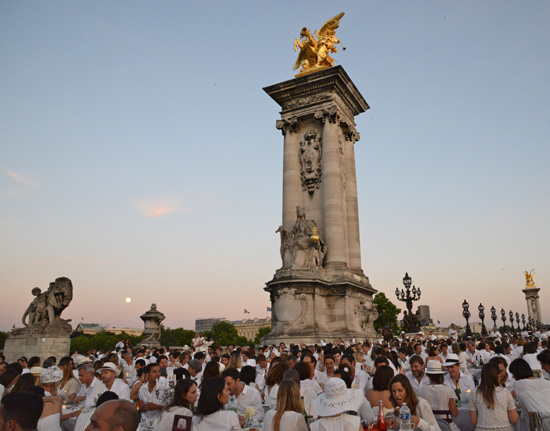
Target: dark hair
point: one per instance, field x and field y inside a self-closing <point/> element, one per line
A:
<point x="381" y="360"/>
<point x="544" y="357"/>
<point x="8" y="376"/>
<point x="106" y="396"/>
<point x="248" y="374"/>
<point x="520" y="369"/>
<point x="411" y="399"/>
<point x="25" y="408"/>
<point x="198" y="356"/>
<point x="181" y="373"/>
<point x="33" y="361"/>
<point x="141" y="362"/>
<point x="436" y="379"/>
<point x="489" y="382"/>
<point x="275" y="374"/>
<point x="38" y="390"/>
<point x="211" y="369"/>
<point x="147" y="369"/>
<point x="208" y="401"/>
<point x="231" y="372"/>
<point x="349" y="357"/>
<point x="530" y="347"/>
<point x="344" y="375"/>
<point x="182" y="388"/>
<point x="23" y="383"/>
<point x="416" y="358"/>
<point x="303" y="369"/>
<point x="382" y="377"/>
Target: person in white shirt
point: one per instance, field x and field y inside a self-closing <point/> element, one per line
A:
<point x="417" y="376"/>
<point x="246" y="396"/>
<point x="86" y="392"/>
<point x="453" y="332"/>
<point x="403" y="360"/>
<point x="153" y="395"/>
<point x="198" y="342"/>
<point x="110" y="382"/>
<point x="289" y="410"/>
<point x="473" y="355"/>
<point x="455" y="379"/>
<point x="210" y="414"/>
<point x="358" y="377"/>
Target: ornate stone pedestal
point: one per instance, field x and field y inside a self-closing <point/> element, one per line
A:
<point x="40" y="340"/>
<point x="321" y="291"/>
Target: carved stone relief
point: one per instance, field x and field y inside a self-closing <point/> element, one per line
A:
<point x="304" y="101"/>
<point x="311" y="150"/>
<point x="287" y="125"/>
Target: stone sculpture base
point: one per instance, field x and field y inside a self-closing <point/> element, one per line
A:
<point x="40" y="340"/>
<point x="308" y="310"/>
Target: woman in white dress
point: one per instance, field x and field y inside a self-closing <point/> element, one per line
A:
<point x="532" y="393"/>
<point x="210" y="415"/>
<point x="422" y="417"/>
<point x="332" y="407"/>
<point x="492" y="406"/>
<point x="437" y="394"/>
<point x="288" y="416"/>
<point x="185" y="397"/>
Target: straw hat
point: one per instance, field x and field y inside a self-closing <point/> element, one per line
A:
<point x="337" y="398"/>
<point x="452" y="359"/>
<point x="434" y="367"/>
<point x="110" y="366"/>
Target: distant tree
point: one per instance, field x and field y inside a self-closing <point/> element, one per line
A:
<point x="387" y="312"/>
<point x="224" y="333"/>
<point x="3" y="336"/>
<point x="262" y="332"/>
<point x="175" y="337"/>
<point x="101" y="341"/>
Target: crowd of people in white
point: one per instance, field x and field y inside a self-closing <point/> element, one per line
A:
<point x="499" y="382"/>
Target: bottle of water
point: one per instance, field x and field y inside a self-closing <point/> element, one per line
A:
<point x="405" y="418"/>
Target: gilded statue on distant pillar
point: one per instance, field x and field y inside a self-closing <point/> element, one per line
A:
<point x="314" y="53"/>
<point x="529" y="282"/>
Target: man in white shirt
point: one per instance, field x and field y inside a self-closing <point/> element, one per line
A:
<point x="417" y="376"/>
<point x="358" y="377"/>
<point x="87" y="388"/>
<point x="483" y="352"/>
<point x="419" y="352"/>
<point x="453" y="332"/>
<point x="473" y="355"/>
<point x="154" y="395"/>
<point x="110" y="382"/>
<point x="246" y="395"/>
<point x="195" y="370"/>
<point x="198" y="342"/>
<point x="455" y="379"/>
<point x="403" y="360"/>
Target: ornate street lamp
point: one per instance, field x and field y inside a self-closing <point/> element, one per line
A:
<point x="503" y="318"/>
<point x="494" y="316"/>
<point x="410" y="324"/>
<point x="523" y="320"/>
<point x="511" y="319"/>
<point x="481" y="309"/>
<point x="517" y="319"/>
<point x="466" y="315"/>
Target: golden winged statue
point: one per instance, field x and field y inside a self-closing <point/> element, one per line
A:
<point x="529" y="282"/>
<point x="314" y="53"/>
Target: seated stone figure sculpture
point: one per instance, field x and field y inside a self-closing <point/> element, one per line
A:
<point x="302" y="247"/>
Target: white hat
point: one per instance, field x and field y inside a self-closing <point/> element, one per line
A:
<point x="434" y="367"/>
<point x="337" y="398"/>
<point x="51" y="375"/>
<point x="36" y="371"/>
<point x="109" y="366"/>
<point x="452" y="359"/>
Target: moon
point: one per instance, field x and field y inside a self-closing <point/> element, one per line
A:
<point x="128" y="300"/>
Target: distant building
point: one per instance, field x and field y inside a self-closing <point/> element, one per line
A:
<point x="424" y="315"/>
<point x="88" y="328"/>
<point x="249" y="328"/>
<point x="93" y="328"/>
<point x="202" y="325"/>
